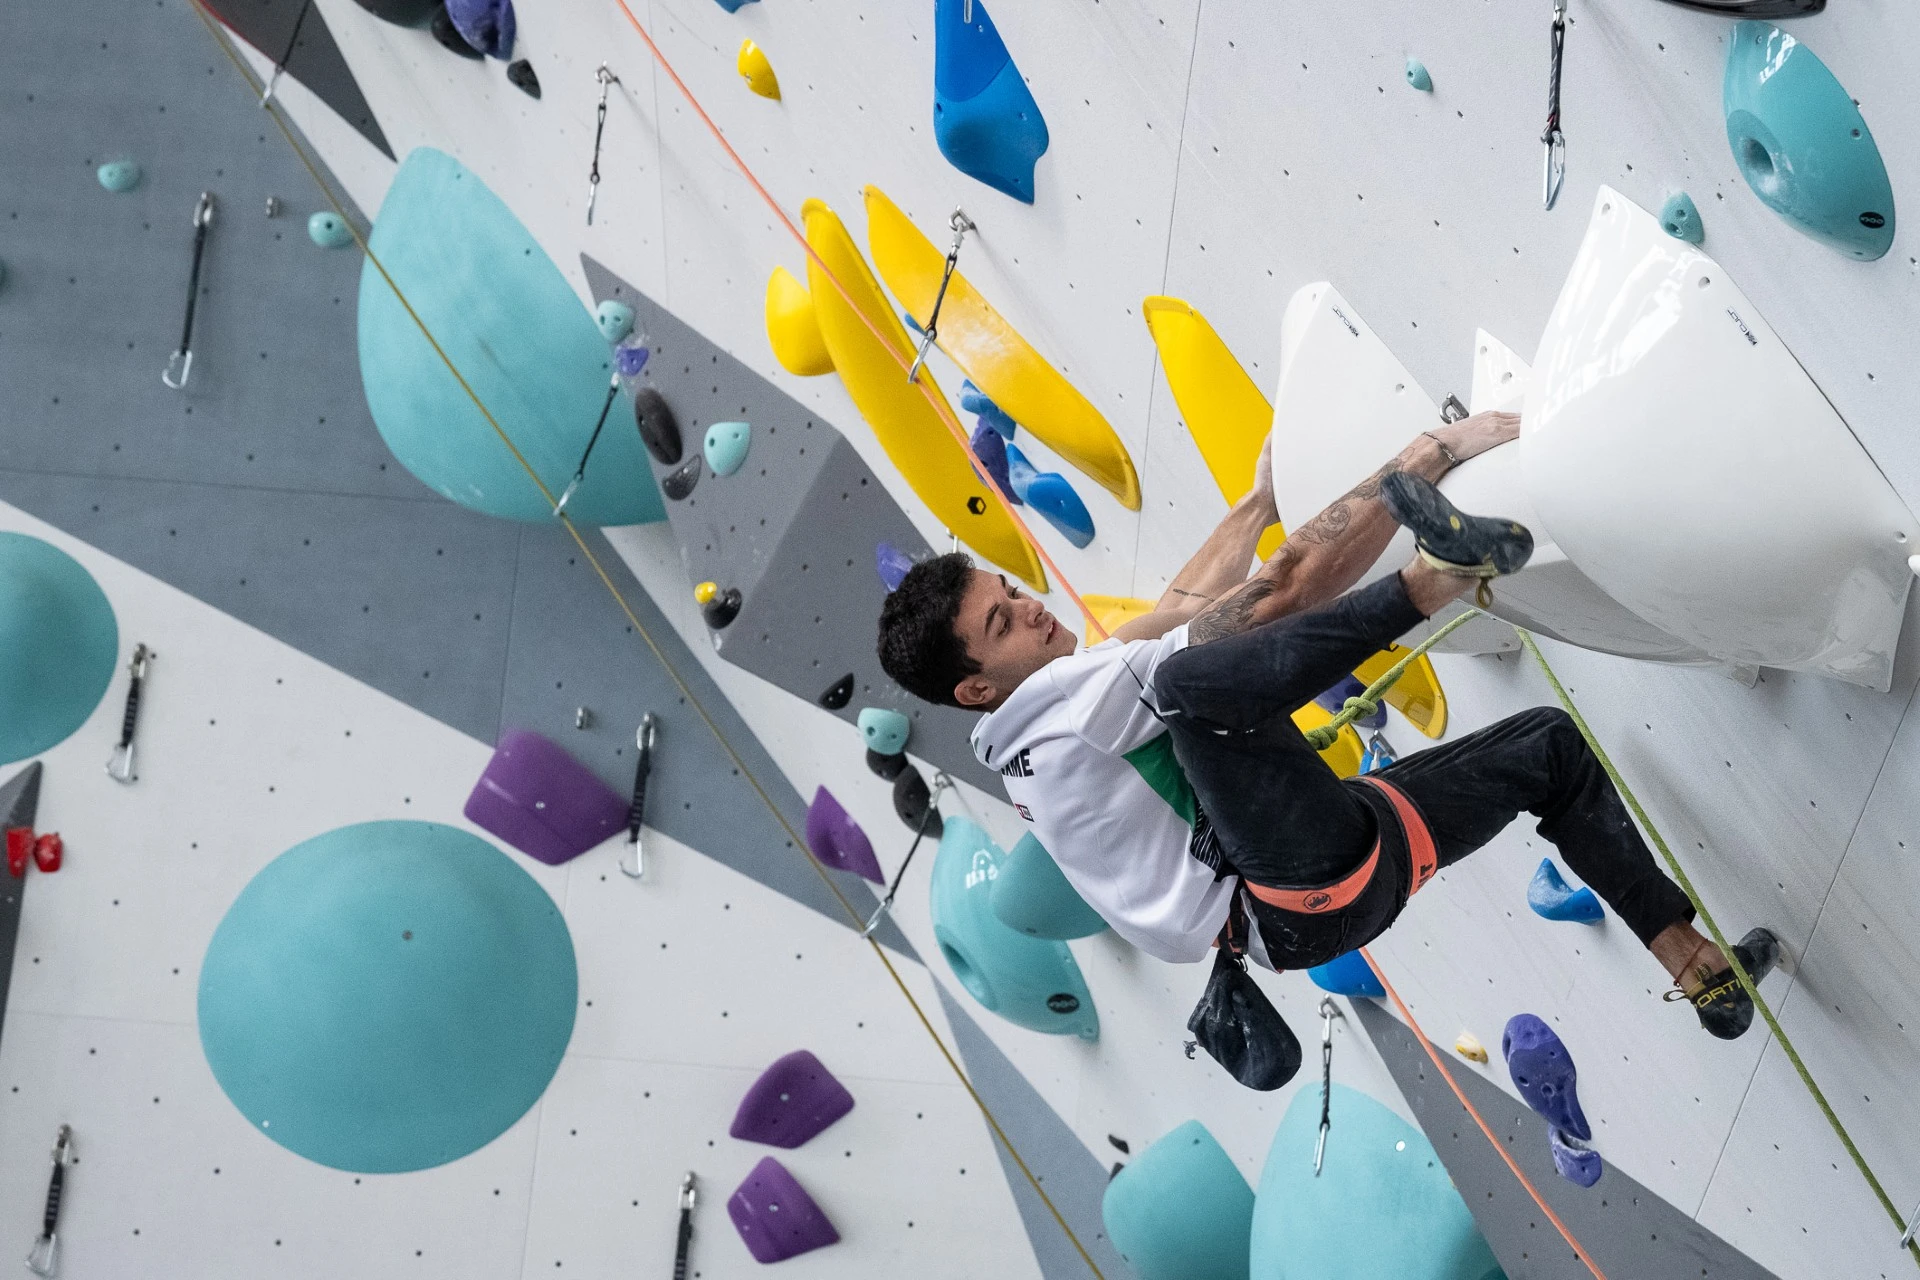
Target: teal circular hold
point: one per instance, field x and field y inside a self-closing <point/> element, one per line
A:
<point x="1417" y="75"/>
<point x="615" y="319"/>
<point x="388" y="996"/>
<point x="329" y="230"/>
<point x="886" y="731"/>
<point x="1680" y="218"/>
<point x="59" y="644"/>
<point x="726" y="447"/>
<point x="118" y="175"/>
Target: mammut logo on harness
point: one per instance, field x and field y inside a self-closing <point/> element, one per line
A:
<point x="1021" y="766"/>
<point x="1063" y="1002"/>
<point x="1318" y="900"/>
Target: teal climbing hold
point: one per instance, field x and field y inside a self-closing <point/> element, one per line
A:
<point x="1681" y="220"/>
<point x="615" y="319"/>
<point x="513" y="327"/>
<point x="1030" y="982"/>
<point x="1181" y="1210"/>
<point x="1551" y="899"/>
<point x="985" y="120"/>
<point x="1348" y="975"/>
<point x="118" y="175"/>
<point x="329" y="231"/>
<point x="1802" y="144"/>
<point x="885" y="730"/>
<point x="1031" y="895"/>
<point x="387" y="996"/>
<point x="59" y="644"/>
<point x="726" y="446"/>
<point x="1383" y="1204"/>
<point x="1417" y="75"/>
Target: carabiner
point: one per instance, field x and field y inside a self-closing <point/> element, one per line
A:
<point x="1328" y="1012"/>
<point x="637" y="807"/>
<point x="44" y="1258"/>
<point x="1553" y="167"/>
<point x="930" y="332"/>
<point x="941" y="782"/>
<point x="120" y="762"/>
<point x="607" y="80"/>
<point x="688" y="1193"/>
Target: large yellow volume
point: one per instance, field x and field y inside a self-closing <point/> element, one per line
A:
<point x="903" y="419"/>
<point x="993" y="354"/>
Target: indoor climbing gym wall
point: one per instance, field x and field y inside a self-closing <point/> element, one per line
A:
<point x="456" y="453"/>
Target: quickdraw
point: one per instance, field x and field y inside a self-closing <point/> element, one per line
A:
<point x="180" y="363"/>
<point x="940" y="783"/>
<point x="1328" y="1012"/>
<point x="580" y="472"/>
<point x="930" y="332"/>
<point x="607" y="80"/>
<point x="120" y="762"/>
<point x="44" y="1258"/>
<point x="637" y="807"/>
<point x="1553" y="171"/>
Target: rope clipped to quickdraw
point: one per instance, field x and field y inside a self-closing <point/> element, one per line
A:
<point x="1366" y="703"/>
<point x="930" y="332"/>
<point x="607" y="80"/>
<point x="580" y="472"/>
<point x="940" y="783"/>
<point x="1746" y="981"/>
<point x="1328" y="1012"/>
<point x="281" y="65"/>
<point x="1553" y="169"/>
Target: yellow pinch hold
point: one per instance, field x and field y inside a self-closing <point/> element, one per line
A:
<point x="753" y="65"/>
<point x="1469" y="1047"/>
<point x="992" y="353"/>
<point x="792" y="329"/>
<point x="902" y="418"/>
<point x="1418" y="696"/>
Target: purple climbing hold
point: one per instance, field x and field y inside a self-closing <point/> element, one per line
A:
<point x="487" y="25"/>
<point x="1335" y="700"/>
<point x="1577" y="1163"/>
<point x="837" y="840"/>
<point x="775" y="1216"/>
<point x="1543" y="1071"/>
<point x="893" y="564"/>
<point x="991" y="448"/>
<point x="794" y="1099"/>
<point x="542" y="801"/>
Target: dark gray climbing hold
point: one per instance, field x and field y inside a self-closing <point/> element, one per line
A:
<point x="840" y="694"/>
<point x="914" y="803"/>
<point x="658" y="429"/>
<point x="886" y="767"/>
<point x="521" y="73"/>
<point x="678" y="484"/>
<point x="449" y="36"/>
<point x="402" y="13"/>
<point x="723" y="608"/>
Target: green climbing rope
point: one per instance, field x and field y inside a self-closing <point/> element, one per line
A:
<point x="1366" y="703"/>
<point x="1713" y="929"/>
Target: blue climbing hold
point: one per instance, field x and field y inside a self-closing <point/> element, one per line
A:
<point x="991" y="448"/>
<point x="1030" y="894"/>
<point x="630" y="353"/>
<point x="1049" y="493"/>
<point x="1551" y="898"/>
<point x="1417" y="75"/>
<point x="59" y="644"/>
<point x="973" y="400"/>
<point x="486" y="25"/>
<point x="329" y="230"/>
<point x="1181" y="1210"/>
<point x="1575" y="1162"/>
<point x="984" y="118"/>
<point x="893" y="565"/>
<point x="1348" y="975"/>
<point x="1802" y="144"/>
<point x="885" y="730"/>
<point x="1335" y="699"/>
<point x="615" y="319"/>
<point x="1382" y="1204"/>
<point x="1544" y="1073"/>
<point x="1031" y="982"/>
<point x="1681" y="220"/>
<point x="906" y="318"/>
<point x="118" y="175"/>
<point x="733" y="6"/>
<point x="726" y="446"/>
<point x="388" y="996"/>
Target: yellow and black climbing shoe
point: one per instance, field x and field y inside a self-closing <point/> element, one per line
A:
<point x="1725" y="1008"/>
<point x="1449" y="539"/>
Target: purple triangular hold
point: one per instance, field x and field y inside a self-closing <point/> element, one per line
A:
<point x="776" y="1217"/>
<point x="542" y="801"/>
<point x="893" y="564"/>
<point x="837" y="840"/>
<point x="793" y="1099"/>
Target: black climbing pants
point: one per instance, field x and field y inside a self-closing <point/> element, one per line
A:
<point x="1282" y="818"/>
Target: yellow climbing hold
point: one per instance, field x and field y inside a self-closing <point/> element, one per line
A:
<point x="1469" y="1047"/>
<point x="705" y="592"/>
<point x="752" y="63"/>
<point x="992" y="353"/>
<point x="874" y="370"/>
<point x="792" y="330"/>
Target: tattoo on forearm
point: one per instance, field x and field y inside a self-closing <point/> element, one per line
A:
<point x="1231" y="615"/>
<point x="1335" y="520"/>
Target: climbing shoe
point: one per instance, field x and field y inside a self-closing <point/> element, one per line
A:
<point x="1448" y="538"/>
<point x="1725" y="1008"/>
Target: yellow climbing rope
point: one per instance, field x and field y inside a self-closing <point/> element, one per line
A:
<point x="1366" y="703"/>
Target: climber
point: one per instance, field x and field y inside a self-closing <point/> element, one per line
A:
<point x="1162" y="767"/>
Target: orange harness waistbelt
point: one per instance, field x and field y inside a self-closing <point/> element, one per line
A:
<point x="1342" y="892"/>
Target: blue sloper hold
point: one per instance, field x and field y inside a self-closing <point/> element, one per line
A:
<point x="1348" y="975"/>
<point x="892" y="563"/>
<point x="733" y="6"/>
<point x="1577" y="1163"/>
<point x="1181" y="1210"/>
<point x="1031" y="895"/>
<point x="974" y="400"/>
<point x="1680" y="218"/>
<point x="1335" y="699"/>
<point x="906" y="318"/>
<point x="986" y="122"/>
<point x="1052" y="496"/>
<point x="1552" y="899"/>
<point x="991" y="448"/>
<point x="486" y="25"/>
<point x="1802" y="145"/>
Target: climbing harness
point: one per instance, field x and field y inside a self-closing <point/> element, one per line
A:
<point x="1553" y="165"/>
<point x="941" y="782"/>
<point x="180" y="363"/>
<point x="607" y="80"/>
<point x="685" y="1236"/>
<point x="1365" y="704"/>
<point x="637" y="807"/>
<point x="120" y="762"/>
<point x="44" y="1258"/>
<point x="1328" y="1012"/>
<point x="281" y="65"/>
<point x="580" y="472"/>
<point x="930" y="332"/>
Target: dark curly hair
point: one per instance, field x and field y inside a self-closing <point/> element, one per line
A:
<point x="918" y="645"/>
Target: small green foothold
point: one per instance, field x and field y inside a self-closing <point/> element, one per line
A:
<point x="1681" y="220"/>
<point x="118" y="175"/>
<point x="329" y="231"/>
<point x="1417" y="75"/>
